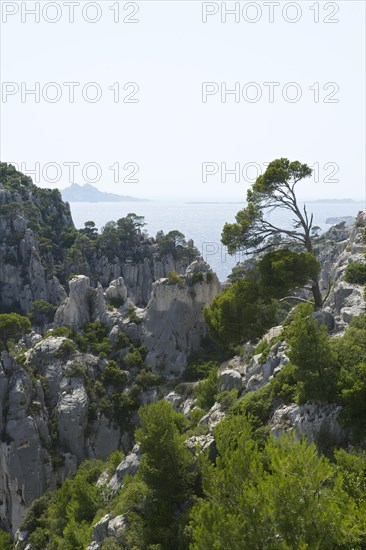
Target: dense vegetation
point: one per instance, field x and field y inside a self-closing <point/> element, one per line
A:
<point x="248" y="307"/>
<point x="259" y="491"/>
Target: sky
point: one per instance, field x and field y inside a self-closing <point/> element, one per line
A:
<point x="134" y="97"/>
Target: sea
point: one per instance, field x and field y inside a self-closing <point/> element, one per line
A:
<point x="202" y="221"/>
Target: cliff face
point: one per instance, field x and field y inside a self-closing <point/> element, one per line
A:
<point x="33" y="223"/>
<point x="40" y="248"/>
<point x="52" y="416"/>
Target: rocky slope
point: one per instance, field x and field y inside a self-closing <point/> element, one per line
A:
<point x="63" y="401"/>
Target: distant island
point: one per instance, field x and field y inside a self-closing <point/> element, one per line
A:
<point x="89" y="193"/>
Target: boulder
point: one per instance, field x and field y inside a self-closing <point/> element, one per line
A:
<point x="128" y="466"/>
<point x="230" y="380"/>
<point x="117" y="291"/>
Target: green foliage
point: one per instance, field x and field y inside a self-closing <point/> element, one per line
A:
<point x="174" y="278"/>
<point x="198" y="369"/>
<point x="134" y="318"/>
<point x="356" y="273"/>
<point x="122" y="341"/>
<point x="133" y="358"/>
<point x="5" y="541"/>
<point x="288" y="495"/>
<point x="227" y="399"/>
<point x="284" y="270"/>
<point x="12" y="328"/>
<point x="174" y="243"/>
<point x="197" y="277"/>
<point x="351" y="362"/>
<point x="166" y="469"/>
<point x="59" y="331"/>
<point x="273" y="188"/>
<point x="239" y="314"/>
<point x="207" y="390"/>
<point x="66" y="349"/>
<point x="114" y="376"/>
<point x="42" y="312"/>
<point x="313" y="356"/>
<point x="260" y="404"/>
<point x="63" y="520"/>
<point x="146" y="379"/>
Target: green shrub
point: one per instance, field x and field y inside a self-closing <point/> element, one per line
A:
<point x="133" y="359"/>
<point x="239" y="314"/>
<point x="5" y="541"/>
<point x="76" y="370"/>
<point x="197" y="370"/>
<point x="146" y="379"/>
<point x="122" y="341"/>
<point x="356" y="273"/>
<point x="42" y="312"/>
<point x="197" y="277"/>
<point x="134" y="318"/>
<point x="114" y="460"/>
<point x="59" y="331"/>
<point x="313" y="355"/>
<point x="66" y="349"/>
<point x="260" y="404"/>
<point x="227" y="399"/>
<point x="114" y="376"/>
<point x="174" y="278"/>
<point x="207" y="390"/>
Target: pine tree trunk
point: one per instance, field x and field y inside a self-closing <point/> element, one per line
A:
<point x="318" y="299"/>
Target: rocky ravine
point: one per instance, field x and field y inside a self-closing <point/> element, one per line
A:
<point x="171" y="326"/>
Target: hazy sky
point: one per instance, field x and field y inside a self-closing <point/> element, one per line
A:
<point x="169" y="132"/>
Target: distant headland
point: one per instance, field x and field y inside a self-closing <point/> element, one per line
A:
<point x="89" y="193"/>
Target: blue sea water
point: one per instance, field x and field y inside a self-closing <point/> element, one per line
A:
<point x="202" y="222"/>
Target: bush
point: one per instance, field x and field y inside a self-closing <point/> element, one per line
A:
<point x="59" y="331"/>
<point x="5" y="541"/>
<point x="134" y="318"/>
<point x="197" y="277"/>
<point x="313" y="355"/>
<point x="77" y="370"/>
<point x="174" y="278"/>
<point x="133" y="359"/>
<point x="197" y="370"/>
<point x="227" y="399"/>
<point x="42" y="312"/>
<point x="114" y="376"/>
<point x="66" y="349"/>
<point x="122" y="341"/>
<point x="239" y="314"/>
<point x="146" y="379"/>
<point x="207" y="390"/>
<point x="356" y="273"/>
